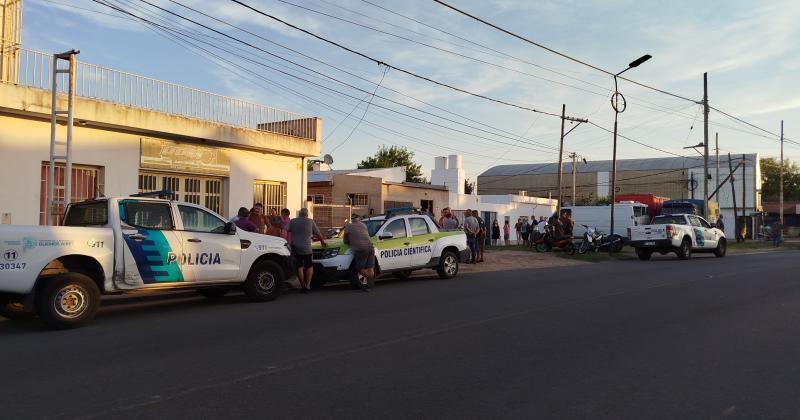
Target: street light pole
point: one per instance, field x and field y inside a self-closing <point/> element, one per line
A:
<point x="705" y="146"/>
<point x="618" y="104"/>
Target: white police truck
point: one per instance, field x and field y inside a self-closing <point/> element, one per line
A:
<point x="127" y="245"/>
<point x="403" y="243"/>
<point x="678" y="233"/>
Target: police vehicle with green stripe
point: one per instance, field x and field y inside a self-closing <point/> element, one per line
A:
<point x="131" y="245"/>
<point x="403" y="243"/>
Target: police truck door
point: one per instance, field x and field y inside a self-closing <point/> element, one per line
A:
<point x="209" y="253"/>
<point x="151" y="242"/>
<point x="393" y="244"/>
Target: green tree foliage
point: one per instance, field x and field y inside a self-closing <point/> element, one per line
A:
<point x="389" y="157"/>
<point x="469" y="186"/>
<point x="770" y="176"/>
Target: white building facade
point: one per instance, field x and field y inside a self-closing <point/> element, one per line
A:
<point x="502" y="208"/>
<point x="135" y="134"/>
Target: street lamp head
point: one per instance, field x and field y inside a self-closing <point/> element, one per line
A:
<point x="696" y="145"/>
<point x="640" y="60"/>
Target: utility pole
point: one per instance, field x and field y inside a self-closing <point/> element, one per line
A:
<point x="716" y="143"/>
<point x="574" y="157"/>
<point x="744" y="195"/>
<point x="564" y="119"/>
<point x="781" y="187"/>
<point x="733" y="195"/>
<point x="705" y="145"/>
<point x="561" y="157"/>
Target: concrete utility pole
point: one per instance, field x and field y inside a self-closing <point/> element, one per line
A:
<point x="716" y="143"/>
<point x="781" y="187"/>
<point x="705" y="145"/>
<point x="564" y="119"/>
<point x="733" y="195"/>
<point x="744" y="194"/>
<point x="574" y="157"/>
<point x="561" y="157"/>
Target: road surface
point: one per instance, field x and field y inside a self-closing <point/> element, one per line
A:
<point x="666" y="339"/>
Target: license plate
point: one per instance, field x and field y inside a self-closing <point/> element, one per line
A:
<point x="650" y="243"/>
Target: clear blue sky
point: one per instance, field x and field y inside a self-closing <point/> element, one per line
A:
<point x="749" y="49"/>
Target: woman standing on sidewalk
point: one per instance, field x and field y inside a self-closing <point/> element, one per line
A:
<point x="495" y="232"/>
<point x="507" y="233"/>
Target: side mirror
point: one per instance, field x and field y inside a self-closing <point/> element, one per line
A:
<point x="386" y="235"/>
<point x="230" y="228"/>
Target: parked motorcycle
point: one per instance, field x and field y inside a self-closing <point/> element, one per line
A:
<point x="546" y="243"/>
<point x="595" y="240"/>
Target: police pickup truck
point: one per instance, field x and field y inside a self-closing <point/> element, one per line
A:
<point x="679" y="233"/>
<point x="127" y="245"/>
<point x="403" y="243"/>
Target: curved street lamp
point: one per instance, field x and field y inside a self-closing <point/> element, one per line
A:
<point x="619" y="105"/>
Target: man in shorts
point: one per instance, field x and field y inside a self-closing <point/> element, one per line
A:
<point x="302" y="228"/>
<point x="357" y="236"/>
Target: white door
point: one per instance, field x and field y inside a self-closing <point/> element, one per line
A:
<point x="209" y="253"/>
<point x="421" y="243"/>
<point x="392" y="246"/>
<point x="710" y="234"/>
<point x="151" y="243"/>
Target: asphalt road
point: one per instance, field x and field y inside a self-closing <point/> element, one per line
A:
<point x="666" y="339"/>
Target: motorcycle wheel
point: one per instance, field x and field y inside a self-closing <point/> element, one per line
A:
<point x="569" y="249"/>
<point x="541" y="247"/>
<point x="583" y="247"/>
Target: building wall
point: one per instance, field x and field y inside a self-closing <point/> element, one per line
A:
<point x="539" y="185"/>
<point x="504" y="207"/>
<point x="414" y="195"/>
<point x="25" y="145"/>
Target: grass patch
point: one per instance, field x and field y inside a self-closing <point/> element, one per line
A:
<point x="760" y="245"/>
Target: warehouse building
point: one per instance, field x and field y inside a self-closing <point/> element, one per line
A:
<point x="673" y="177"/>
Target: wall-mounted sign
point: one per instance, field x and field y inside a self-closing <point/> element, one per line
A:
<point x="169" y="155"/>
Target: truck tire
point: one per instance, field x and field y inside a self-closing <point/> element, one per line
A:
<point x="67" y="301"/>
<point x="644" y="254"/>
<point x="448" y="265"/>
<point x="264" y="281"/>
<point x="685" y="250"/>
<point x="212" y="294"/>
<point x="722" y="248"/>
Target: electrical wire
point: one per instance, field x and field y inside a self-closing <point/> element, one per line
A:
<point x="366" y="109"/>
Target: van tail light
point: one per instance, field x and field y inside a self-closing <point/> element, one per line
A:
<point x="629" y="234"/>
<point x="669" y="231"/>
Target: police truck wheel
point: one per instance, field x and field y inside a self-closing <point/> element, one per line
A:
<point x="722" y="248"/>
<point x="448" y="265"/>
<point x="68" y="301"/>
<point x="263" y="282"/>
<point x="644" y="254"/>
<point x="685" y="250"/>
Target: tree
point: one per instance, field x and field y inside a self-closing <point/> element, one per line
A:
<point x="771" y="175"/>
<point x="469" y="186"/>
<point x="389" y="157"/>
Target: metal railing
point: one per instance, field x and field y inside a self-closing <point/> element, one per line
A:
<point x="135" y="91"/>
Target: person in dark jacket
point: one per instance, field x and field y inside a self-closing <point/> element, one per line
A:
<point x="495" y="232"/>
<point x="242" y="220"/>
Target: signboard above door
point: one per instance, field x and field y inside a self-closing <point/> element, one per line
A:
<point x="170" y="155"/>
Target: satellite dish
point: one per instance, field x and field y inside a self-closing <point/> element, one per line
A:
<point x="328" y="159"/>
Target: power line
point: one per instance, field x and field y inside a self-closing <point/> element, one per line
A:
<point x="402" y="70"/>
<point x="326" y="76"/>
<point x="520" y="37"/>
<point x="223" y="63"/>
<point x="366" y="109"/>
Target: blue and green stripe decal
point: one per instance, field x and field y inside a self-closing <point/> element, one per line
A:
<point x="151" y="256"/>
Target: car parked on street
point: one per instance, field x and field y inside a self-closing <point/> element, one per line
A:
<point x="682" y="234"/>
<point x="132" y="245"/>
<point x="403" y="243"/>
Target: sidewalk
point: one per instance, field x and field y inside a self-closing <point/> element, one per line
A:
<point x="514" y="259"/>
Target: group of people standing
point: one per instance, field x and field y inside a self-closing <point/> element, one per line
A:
<point x="256" y="220"/>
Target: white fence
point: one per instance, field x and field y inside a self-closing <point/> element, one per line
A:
<point x="119" y="87"/>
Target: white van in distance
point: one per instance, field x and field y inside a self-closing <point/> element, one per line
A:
<point x="626" y="214"/>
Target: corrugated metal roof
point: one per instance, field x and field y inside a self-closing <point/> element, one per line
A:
<point x="648" y="164"/>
